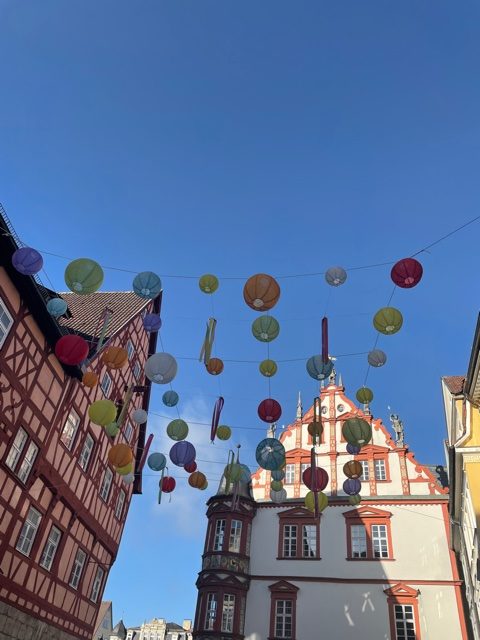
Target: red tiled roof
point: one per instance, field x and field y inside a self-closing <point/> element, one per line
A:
<point x="454" y="383"/>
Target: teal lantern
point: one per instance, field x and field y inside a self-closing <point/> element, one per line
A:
<point x="318" y="369"/>
<point x="83" y="276"/>
<point x="170" y="398"/>
<point x="278" y="474"/>
<point x="357" y="431"/>
<point x="265" y="328"/>
<point x="147" y="285"/>
<point x="56" y="307"/>
<point x="270" y="454"/>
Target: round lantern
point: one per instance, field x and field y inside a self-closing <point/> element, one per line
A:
<point x="56" y="307"/>
<point x="233" y="472"/>
<point x="205" y="486"/>
<point x="352" y="487"/>
<point x="167" y="484"/>
<point x="388" y="321"/>
<point x="318" y="369"/>
<point x="321" y="477"/>
<point x="357" y="431"/>
<point x="71" y="349"/>
<point x="129" y="478"/>
<point x="353" y="469"/>
<point x="277" y="474"/>
<point x="208" y="283"/>
<point x="27" y="261"/>
<point x="156" y="461"/>
<point x="407" y="273"/>
<point x="315" y="429"/>
<point x="190" y="467"/>
<point x="140" y="416"/>
<point x="265" y="328"/>
<point x="268" y="368"/>
<point x="245" y="475"/>
<point x="353" y="449"/>
<point x="261" y="292"/>
<point x="278" y="496"/>
<point x="120" y="455"/>
<point x="182" y="453"/>
<point x="322" y="501"/>
<point x="377" y="358"/>
<point x="177" y="429"/>
<point x="102" y="412"/>
<point x="223" y="432"/>
<point x="276" y="485"/>
<point x="161" y="368"/>
<point x="115" y="357"/>
<point x="90" y="379"/>
<point x="269" y="410"/>
<point x="197" y="479"/>
<point x="170" y="398"/>
<point x="147" y="285"/>
<point x="270" y="454"/>
<point x="364" y="395"/>
<point x="214" y="366"/>
<point x="84" y="276"/>
<point x="152" y="322"/>
<point x="124" y="471"/>
<point x="112" y="429"/>
<point x="355" y="499"/>
<point x="336" y="276"/>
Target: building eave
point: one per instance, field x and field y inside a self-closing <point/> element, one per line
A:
<point x="472" y="382"/>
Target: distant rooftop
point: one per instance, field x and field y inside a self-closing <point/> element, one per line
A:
<point x="454" y="384"/>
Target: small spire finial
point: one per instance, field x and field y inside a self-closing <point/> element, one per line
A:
<point x="340" y="381"/>
<point x="299" y="407"/>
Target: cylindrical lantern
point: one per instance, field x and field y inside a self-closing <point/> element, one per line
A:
<point x="140" y="416"/>
<point x="270" y="454"/>
<point x="353" y="449"/>
<point x="208" y="283"/>
<point x="167" y="484"/>
<point x="56" y="307"/>
<point x="102" y="412"/>
<point x="364" y="395"/>
<point x="357" y="431"/>
<point x="156" y="461"/>
<point x="322" y="501"/>
<point x="269" y="410"/>
<point x="261" y="292"/>
<point x="197" y="480"/>
<point x="177" y="429"/>
<point x="352" y="487"/>
<point x="407" y="273"/>
<point x="170" y="398"/>
<point x="152" y="322"/>
<point x="190" y="467"/>
<point x="278" y="496"/>
<point x="353" y="469"/>
<point x="182" y="453"/>
<point x="129" y="478"/>
<point x="120" y="455"/>
<point x="84" y="276"/>
<point x="268" y="368"/>
<point x="355" y="499"/>
<point x="90" y="379"/>
<point x="318" y="369"/>
<point x="71" y="349"/>
<point x="223" y="432"/>
<point x="388" y="321"/>
<point x="147" y="285"/>
<point x="276" y="485"/>
<point x="277" y="474"/>
<point x="27" y="261"/>
<point x="336" y="276"/>
<point x="321" y="477"/>
<point x="112" y="429"/>
<point x="265" y="328"/>
<point x="377" y="358"/>
<point x="115" y="357"/>
<point x="161" y="368"/>
<point x="214" y="366"/>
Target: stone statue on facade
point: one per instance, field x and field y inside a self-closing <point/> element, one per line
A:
<point x="397" y="425"/>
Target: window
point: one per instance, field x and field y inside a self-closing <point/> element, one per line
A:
<point x="97" y="583"/>
<point x="366" y="471"/>
<point x="137" y="370"/>
<point x="77" y="568"/>
<point x="303" y="466"/>
<point x="27" y="462"/>
<point x="404" y="622"/>
<point x="70" y="429"/>
<point x="380" y="470"/>
<point x="50" y="548"/>
<point x="403" y="610"/>
<point x="219" y="535"/>
<point x="128" y="432"/>
<point x="379" y="541"/>
<point x="359" y="541"/>
<point x="282" y="610"/>
<point x="16" y="448"/>
<point x="235" y="536"/>
<point x="130" y="349"/>
<point x="283" y="619"/>
<point x="29" y="531"/>
<point x="211" y="613"/>
<point x="227" y="612"/>
<point x="106" y="384"/>
<point x="6" y="322"/>
<point x="309" y="538"/>
<point x="290" y="540"/>
<point x="106" y="484"/>
<point x="120" y="503"/>
<point x="299" y="535"/>
<point x="84" y="458"/>
<point x="289" y="474"/>
<point x="368" y="534"/>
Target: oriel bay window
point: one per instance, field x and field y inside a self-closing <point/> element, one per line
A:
<point x="228" y="610"/>
<point x="368" y="534"/>
<point x="211" y="612"/>
<point x="235" y="536"/>
<point x="299" y="535"/>
<point x="219" y="535"/>
<point x="228" y="535"/>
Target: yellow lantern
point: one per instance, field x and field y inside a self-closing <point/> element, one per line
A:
<point x="102" y="412"/>
<point x="310" y="501"/>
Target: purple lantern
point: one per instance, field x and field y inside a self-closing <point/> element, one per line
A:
<point x="353" y="449"/>
<point x="152" y="322"/>
<point x="352" y="486"/>
<point x="27" y="261"/>
<point x="182" y="453"/>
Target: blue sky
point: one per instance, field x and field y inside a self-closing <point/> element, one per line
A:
<point x="192" y="137"/>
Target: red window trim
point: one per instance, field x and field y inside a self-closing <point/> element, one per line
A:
<point x="282" y="590"/>
<point x="371" y="452"/>
<point x="299" y="517"/>
<point x="219" y="592"/>
<point x="228" y="517"/>
<point x="401" y="593"/>
<point x="368" y="516"/>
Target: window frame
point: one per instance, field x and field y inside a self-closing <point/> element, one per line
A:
<point x="230" y="612"/>
<point x="18" y="449"/>
<point x="365" y="465"/>
<point x="137" y="370"/>
<point x="402" y="594"/>
<point x="286" y="592"/>
<point x="209" y="620"/>
<point x="70" y="446"/>
<point x="106" y="377"/>
<point x="237" y="536"/>
<point x="369" y="517"/>
<point x="119" y="512"/>
<point x="26" y="465"/>
<point x="128" y="431"/>
<point x="218" y="541"/>
<point x="100" y="493"/>
<point x="80" y="457"/>
<point x="299" y="518"/>
<point x="373" y="453"/>
<point x="289" y="467"/>
<point x="6" y="328"/>
<point x="380" y="460"/>
<point x="130" y="349"/>
<point x="25" y="528"/>
<point x="55" y="548"/>
<point x="97" y="584"/>
<point x="73" y="572"/>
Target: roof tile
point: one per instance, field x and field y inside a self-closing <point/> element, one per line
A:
<point x="454" y="383"/>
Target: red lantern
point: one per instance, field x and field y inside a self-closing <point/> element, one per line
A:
<point x="269" y="410"/>
<point x="321" y="477"/>
<point x="215" y="366"/>
<point x="168" y="484"/>
<point x="71" y="349"/>
<point x="407" y="273"/>
<point x="191" y="467"/>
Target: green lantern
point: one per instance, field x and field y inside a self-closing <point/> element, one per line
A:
<point x="357" y="431"/>
<point x="310" y="501"/>
<point x="224" y="432"/>
<point x="276" y="485"/>
<point x="112" y="429"/>
<point x="265" y="328"/>
<point x="84" y="276"/>
<point x="177" y="429"/>
<point x="364" y="395"/>
<point x="102" y="412"/>
<point x="208" y="283"/>
<point x="354" y="500"/>
<point x="268" y="368"/>
<point x="388" y="320"/>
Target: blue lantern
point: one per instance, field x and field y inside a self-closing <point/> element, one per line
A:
<point x="270" y="454"/>
<point x="152" y="322"/>
<point x="170" y="398"/>
<point x="318" y="369"/>
<point x="278" y="474"/>
<point x="56" y="307"/>
<point x="352" y="486"/>
<point x="147" y="285"/>
<point x="157" y="461"/>
<point x="182" y="453"/>
<point x="246" y="474"/>
<point x="27" y="261"/>
<point x="353" y="449"/>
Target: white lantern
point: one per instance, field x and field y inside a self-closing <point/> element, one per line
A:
<point x="377" y="358"/>
<point x="336" y="276"/>
<point x="140" y="416"/>
<point x="278" y="496"/>
<point x="161" y="368"/>
<point x="128" y="478"/>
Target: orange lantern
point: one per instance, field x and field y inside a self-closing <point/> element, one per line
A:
<point x="90" y="379"/>
<point x="197" y="480"/>
<point x="115" y="357"/>
<point x="353" y="469"/>
<point x="261" y="292"/>
<point x="215" y="366"/>
<point x="315" y="429"/>
<point x="120" y="455"/>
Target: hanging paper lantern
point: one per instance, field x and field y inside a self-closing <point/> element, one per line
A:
<point x="336" y="276"/>
<point x="170" y="398"/>
<point x="56" y="307"/>
<point x="357" y="431"/>
<point x="321" y="477"/>
<point x="27" y="261"/>
<point x="318" y="369"/>
<point x="140" y="416"/>
<point x="190" y="467"/>
<point x="270" y="454"/>
<point x="364" y="395"/>
<point x="208" y="283"/>
<point x="353" y="449"/>
<point x="268" y="368"/>
<point x="205" y="486"/>
<point x="129" y="478"/>
<point x="152" y="322"/>
<point x="355" y="499"/>
<point x="233" y="472"/>
<point x="377" y="358"/>
<point x="276" y="485"/>
<point x="277" y="474"/>
<point x="177" y="429"/>
<point x="214" y="366"/>
<point x="147" y="285"/>
<point x="197" y="480"/>
<point x="265" y="328"/>
<point x="352" y="487"/>
<point x="261" y="292"/>
<point x="407" y="273"/>
<point x="182" y="453"/>
<point x="167" y="484"/>
<point x="278" y="496"/>
<point x="84" y="276"/>
<point x="246" y="475"/>
<point x="124" y="471"/>
<point x="115" y="357"/>
<point x="90" y="379"/>
<point x="353" y="469"/>
<point x="223" y="432"/>
<point x="322" y="501"/>
<point x="388" y="321"/>
<point x="156" y="461"/>
<point x="102" y="412"/>
<point x="112" y="429"/>
<point x="315" y="429"/>
<point x="120" y="455"/>
<point x="71" y="349"/>
<point x="161" y="368"/>
<point x="269" y="410"/>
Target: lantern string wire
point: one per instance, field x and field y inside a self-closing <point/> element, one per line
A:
<point x="377" y="337"/>
<point x="304" y="359"/>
